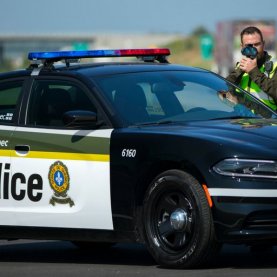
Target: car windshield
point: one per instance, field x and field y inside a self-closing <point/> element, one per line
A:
<point x="177" y="96"/>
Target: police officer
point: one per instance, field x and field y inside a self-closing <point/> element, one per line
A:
<point x="256" y="75"/>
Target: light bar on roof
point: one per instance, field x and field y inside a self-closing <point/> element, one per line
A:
<point x="59" y="55"/>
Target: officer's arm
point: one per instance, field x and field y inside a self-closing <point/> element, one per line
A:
<point x="235" y="76"/>
<point x="268" y="85"/>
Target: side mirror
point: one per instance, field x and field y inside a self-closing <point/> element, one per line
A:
<point x="80" y="119"/>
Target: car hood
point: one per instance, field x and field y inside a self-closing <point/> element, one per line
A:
<point x="264" y="128"/>
<point x="249" y="130"/>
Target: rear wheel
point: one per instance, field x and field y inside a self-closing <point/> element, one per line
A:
<point x="178" y="227"/>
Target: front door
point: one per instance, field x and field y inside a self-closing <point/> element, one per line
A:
<point x="63" y="174"/>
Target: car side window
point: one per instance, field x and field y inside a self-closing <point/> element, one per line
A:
<point x="51" y="99"/>
<point x="9" y="95"/>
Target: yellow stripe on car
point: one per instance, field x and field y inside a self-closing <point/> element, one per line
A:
<point x="60" y="155"/>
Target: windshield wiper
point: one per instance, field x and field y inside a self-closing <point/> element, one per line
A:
<point x="155" y="123"/>
<point x="234" y="117"/>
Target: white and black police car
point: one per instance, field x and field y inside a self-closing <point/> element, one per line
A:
<point x="141" y="151"/>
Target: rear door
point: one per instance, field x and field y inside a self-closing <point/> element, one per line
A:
<point x="64" y="178"/>
<point x="11" y="91"/>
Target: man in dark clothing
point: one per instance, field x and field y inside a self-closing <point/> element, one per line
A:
<point x="257" y="74"/>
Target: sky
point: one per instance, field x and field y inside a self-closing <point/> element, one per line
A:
<point x="126" y="16"/>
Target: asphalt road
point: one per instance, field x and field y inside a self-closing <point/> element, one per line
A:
<point x="54" y="258"/>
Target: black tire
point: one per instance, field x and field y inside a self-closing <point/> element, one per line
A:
<point x="178" y="226"/>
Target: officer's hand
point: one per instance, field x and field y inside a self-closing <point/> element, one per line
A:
<point x="232" y="98"/>
<point x="247" y="64"/>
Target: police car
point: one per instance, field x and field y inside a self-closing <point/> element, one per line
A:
<point x="140" y="151"/>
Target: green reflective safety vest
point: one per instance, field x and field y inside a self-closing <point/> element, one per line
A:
<point x="255" y="90"/>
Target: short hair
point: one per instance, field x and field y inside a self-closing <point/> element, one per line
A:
<point x="249" y="31"/>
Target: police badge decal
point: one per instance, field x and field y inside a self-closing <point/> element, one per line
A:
<point x="59" y="181"/>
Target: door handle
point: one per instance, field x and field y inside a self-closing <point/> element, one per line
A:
<point x="22" y="150"/>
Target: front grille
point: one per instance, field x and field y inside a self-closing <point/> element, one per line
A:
<point x="261" y="219"/>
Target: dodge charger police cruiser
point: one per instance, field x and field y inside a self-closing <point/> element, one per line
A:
<point x="96" y="153"/>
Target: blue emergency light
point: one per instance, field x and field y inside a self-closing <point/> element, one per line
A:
<point x="59" y="55"/>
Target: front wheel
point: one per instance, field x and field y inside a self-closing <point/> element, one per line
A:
<point x="178" y="227"/>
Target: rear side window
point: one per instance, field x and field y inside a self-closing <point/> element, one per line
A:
<point x="9" y="95"/>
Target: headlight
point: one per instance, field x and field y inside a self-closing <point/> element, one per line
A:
<point x="247" y="168"/>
